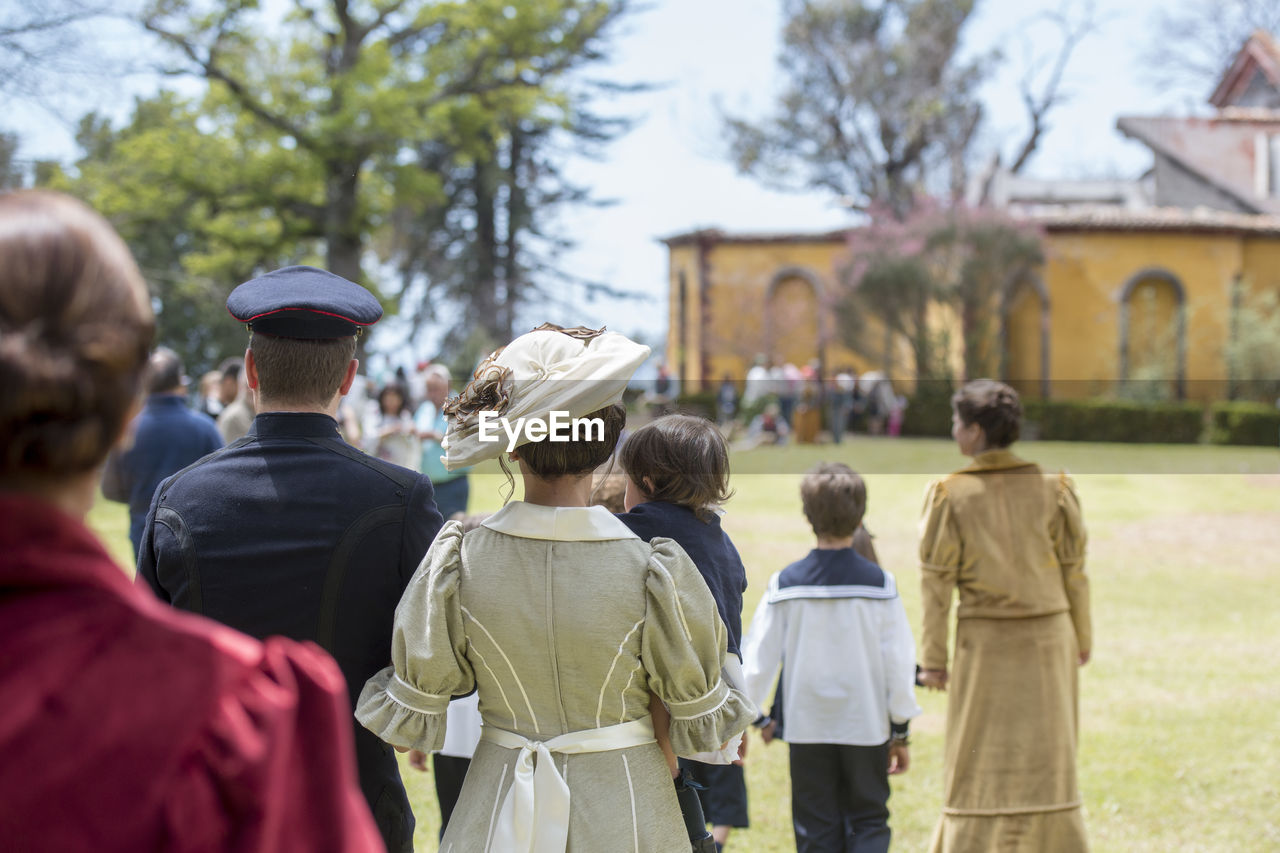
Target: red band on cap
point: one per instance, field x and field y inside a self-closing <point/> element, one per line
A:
<point x="311" y="310"/>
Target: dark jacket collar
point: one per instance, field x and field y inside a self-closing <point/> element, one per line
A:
<point x="293" y="424"/>
<point x="167" y="401"/>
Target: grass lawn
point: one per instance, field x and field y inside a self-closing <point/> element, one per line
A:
<point x="1179" y="741"/>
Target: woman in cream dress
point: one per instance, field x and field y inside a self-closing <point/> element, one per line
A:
<point x="563" y="621"/>
<point x="1011" y="540"/>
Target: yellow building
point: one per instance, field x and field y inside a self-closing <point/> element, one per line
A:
<point x="1142" y="281"/>
<point x="1145" y="296"/>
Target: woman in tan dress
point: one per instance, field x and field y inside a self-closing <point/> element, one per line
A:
<point x="1010" y="538"/>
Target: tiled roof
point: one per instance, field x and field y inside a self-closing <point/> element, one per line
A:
<point x="715" y="235"/>
<point x="1201" y="219"/>
<point x="1069" y="218"/>
<point x="1223" y="153"/>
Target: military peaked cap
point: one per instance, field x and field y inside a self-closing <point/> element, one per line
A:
<point x="304" y="302"/>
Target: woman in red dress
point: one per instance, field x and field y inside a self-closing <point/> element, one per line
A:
<point x="124" y="724"/>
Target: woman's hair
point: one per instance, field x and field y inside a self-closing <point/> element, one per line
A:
<point x="551" y="459"/>
<point x="991" y="405"/>
<point x="395" y="387"/>
<point x="303" y="372"/>
<point x="75" y="328"/>
<point x="680" y="459"/>
<point x="834" y="498"/>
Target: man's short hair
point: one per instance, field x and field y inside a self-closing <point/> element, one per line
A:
<point x="834" y="499"/>
<point x="164" y="371"/>
<point x="302" y="372"/>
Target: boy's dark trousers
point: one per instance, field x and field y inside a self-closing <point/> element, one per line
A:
<point x="839" y="798"/>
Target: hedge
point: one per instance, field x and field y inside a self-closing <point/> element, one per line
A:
<point x="1112" y="420"/>
<point x="1244" y="423"/>
<point x="929" y="410"/>
<point x="701" y="403"/>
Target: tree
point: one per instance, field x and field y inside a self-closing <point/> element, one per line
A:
<point x="1041" y="85"/>
<point x="415" y="136"/>
<point x="356" y="84"/>
<point x="877" y="102"/>
<point x="980" y="255"/>
<point x="199" y="206"/>
<point x="11" y="176"/>
<point x="487" y="243"/>
<point x="1194" y="41"/>
<point x="956" y="258"/>
<point x="40" y="41"/>
<point x="889" y="277"/>
<point x="1253" y="351"/>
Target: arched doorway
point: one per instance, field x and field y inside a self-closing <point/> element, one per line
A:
<point x="793" y="324"/>
<point x="1153" y="335"/>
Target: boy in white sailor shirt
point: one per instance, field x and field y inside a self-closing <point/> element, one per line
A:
<point x="836" y="620"/>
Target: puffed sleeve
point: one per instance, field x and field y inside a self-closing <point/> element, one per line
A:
<point x="274" y="766"/>
<point x="405" y="703"/>
<point x="1069" y="540"/>
<point x="940" y="554"/>
<point x="683" y="649"/>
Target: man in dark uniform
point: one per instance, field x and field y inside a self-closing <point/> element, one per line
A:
<point x="290" y="530"/>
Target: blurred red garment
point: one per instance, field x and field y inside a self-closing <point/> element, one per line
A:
<point x="126" y="725"/>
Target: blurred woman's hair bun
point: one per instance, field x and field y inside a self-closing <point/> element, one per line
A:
<point x="75" y="329"/>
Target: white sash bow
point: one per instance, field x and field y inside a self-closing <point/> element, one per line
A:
<point x="534" y="817"/>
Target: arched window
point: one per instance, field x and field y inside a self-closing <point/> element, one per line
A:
<point x="1153" y="335"/>
<point x="1024" y="332"/>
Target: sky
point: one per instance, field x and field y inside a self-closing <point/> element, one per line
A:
<point x="671" y="172"/>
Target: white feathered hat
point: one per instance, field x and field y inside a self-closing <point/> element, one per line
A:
<point x="575" y="371"/>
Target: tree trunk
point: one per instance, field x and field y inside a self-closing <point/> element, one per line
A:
<point x="484" y="296"/>
<point x="517" y="221"/>
<point x="341" y="228"/>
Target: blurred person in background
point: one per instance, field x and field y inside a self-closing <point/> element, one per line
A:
<point x="165" y="438"/>
<point x="208" y="402"/>
<point x="236" y="418"/>
<point x="229" y="381"/>
<point x="453" y="490"/>
<point x="126" y="725"/>
<point x="390" y="433"/>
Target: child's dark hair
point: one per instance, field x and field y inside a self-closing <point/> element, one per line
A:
<point x="680" y="459"/>
<point x="834" y="499"/>
<point x="550" y="459"/>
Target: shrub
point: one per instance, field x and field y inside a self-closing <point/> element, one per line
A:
<point x="1244" y="423"/>
<point x="929" y="409"/>
<point x="1113" y="420"/>
<point x="700" y="403"/>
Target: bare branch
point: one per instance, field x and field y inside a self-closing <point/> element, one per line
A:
<point x="1040" y="104"/>
<point x="213" y="71"/>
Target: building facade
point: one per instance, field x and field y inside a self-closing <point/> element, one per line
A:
<point x="1143" y="281"/>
